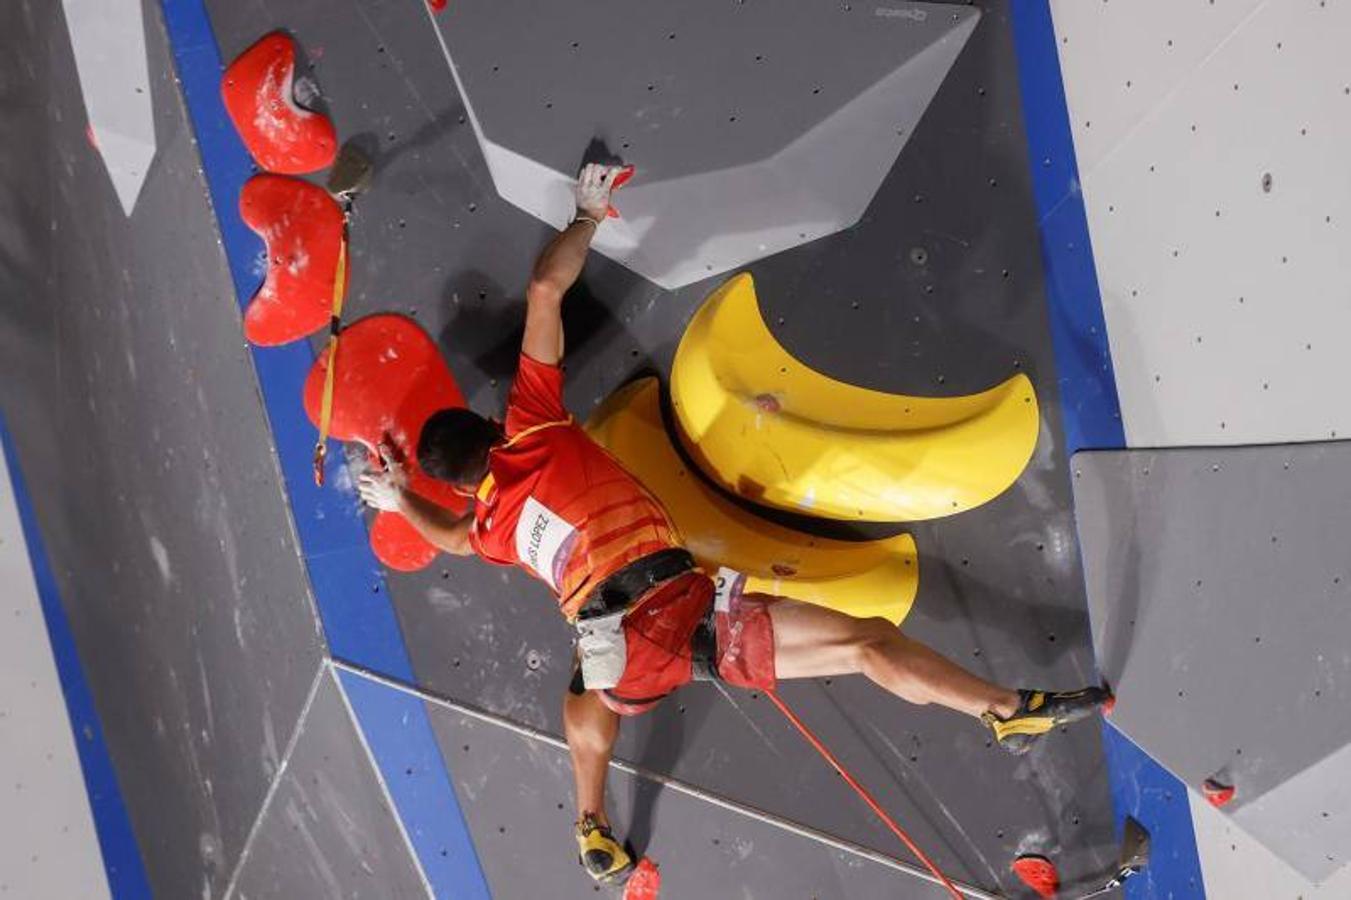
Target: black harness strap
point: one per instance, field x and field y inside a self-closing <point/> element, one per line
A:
<point x="704" y="649"/>
<point x="622" y="589"/>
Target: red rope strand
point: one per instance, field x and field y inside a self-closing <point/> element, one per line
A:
<point x="863" y="793"/>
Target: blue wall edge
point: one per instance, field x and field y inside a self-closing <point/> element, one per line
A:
<point x="399" y="733"/>
<point x="122" y="860"/>
<point x="1091" y="411"/>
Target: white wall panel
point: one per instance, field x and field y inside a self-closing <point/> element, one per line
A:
<point x="1235" y="865"/>
<point x="1228" y="304"/>
<point x="48" y="847"/>
<point x="108" y="37"/>
<point x="1122" y="59"/>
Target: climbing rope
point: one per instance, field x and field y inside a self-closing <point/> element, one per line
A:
<point x="863" y="793"/>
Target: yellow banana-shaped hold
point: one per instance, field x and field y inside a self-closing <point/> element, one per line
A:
<point x="770" y="429"/>
<point x="868" y="578"/>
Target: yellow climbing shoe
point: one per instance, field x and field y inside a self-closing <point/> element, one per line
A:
<point x="1040" y="711"/>
<point x="604" y="858"/>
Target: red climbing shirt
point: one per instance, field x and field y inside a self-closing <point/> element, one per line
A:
<point x="556" y="503"/>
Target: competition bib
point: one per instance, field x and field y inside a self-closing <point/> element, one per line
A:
<point x="727" y="587"/>
<point x="544" y="541"/>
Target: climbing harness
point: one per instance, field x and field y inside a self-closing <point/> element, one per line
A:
<point x="602" y="647"/>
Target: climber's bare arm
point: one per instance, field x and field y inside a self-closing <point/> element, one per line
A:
<point x="560" y="264"/>
<point x="555" y="271"/>
<point x="441" y="528"/>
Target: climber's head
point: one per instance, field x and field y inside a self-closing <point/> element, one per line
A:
<point x="454" y="446"/>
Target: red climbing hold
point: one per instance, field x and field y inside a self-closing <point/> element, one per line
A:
<point x="390" y="379"/>
<point x="644" y="883"/>
<point x="621" y="178"/>
<point x="398" y="545"/>
<point x="1038" y="873"/>
<point x="1217" y="792"/>
<point x="279" y="134"/>
<point x="302" y="228"/>
<point x="437" y="5"/>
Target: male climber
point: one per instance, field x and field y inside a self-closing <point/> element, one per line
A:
<point x="553" y="502"/>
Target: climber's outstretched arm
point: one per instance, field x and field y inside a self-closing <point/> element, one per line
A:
<point x="560" y="264"/>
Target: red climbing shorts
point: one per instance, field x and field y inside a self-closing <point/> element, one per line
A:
<point x="660" y="630"/>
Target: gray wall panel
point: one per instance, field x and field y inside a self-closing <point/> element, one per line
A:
<point x="758" y="128"/>
<point x="1220" y="586"/>
<point x="516" y="795"/>
<point x="329" y="831"/>
<point x="139" y="427"/>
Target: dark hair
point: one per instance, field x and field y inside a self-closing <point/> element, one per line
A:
<point x="454" y="445"/>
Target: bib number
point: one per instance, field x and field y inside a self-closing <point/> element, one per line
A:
<point x="727" y="587"/>
<point x="544" y="541"/>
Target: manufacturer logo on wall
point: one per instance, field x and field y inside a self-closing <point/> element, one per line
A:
<point x="914" y="15"/>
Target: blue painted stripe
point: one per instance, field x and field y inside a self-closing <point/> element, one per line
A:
<point x="121" y="856"/>
<point x="1146" y="790"/>
<point x="359" y="620"/>
<point x="399" y="733"/>
<point x="1091" y="410"/>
